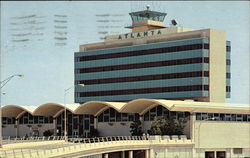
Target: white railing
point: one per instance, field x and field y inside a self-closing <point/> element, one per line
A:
<point x="75" y="145"/>
<point x="10" y="140"/>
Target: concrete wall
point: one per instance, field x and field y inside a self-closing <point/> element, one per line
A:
<point x="171" y="152"/>
<point x="24" y="129"/>
<point x="8" y="130"/>
<point x="116" y="129"/>
<point x="222" y="134"/>
<point x="217" y="66"/>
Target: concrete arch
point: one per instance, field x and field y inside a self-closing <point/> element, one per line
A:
<point x="141" y="106"/>
<point x="16" y="110"/>
<point x="97" y="107"/>
<point x="51" y="109"/>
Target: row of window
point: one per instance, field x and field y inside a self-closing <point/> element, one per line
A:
<point x="144" y="65"/>
<point x="7" y="120"/>
<point x="144" y="52"/>
<point x="144" y="90"/>
<point x="111" y="115"/>
<point x="145" y="77"/>
<point x="162" y="111"/>
<point x="27" y="118"/>
<point x="222" y="117"/>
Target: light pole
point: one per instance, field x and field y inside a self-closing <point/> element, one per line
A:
<point x="65" y="109"/>
<point x="3" y="83"/>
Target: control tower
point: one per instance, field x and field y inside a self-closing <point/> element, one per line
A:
<point x="147" y="20"/>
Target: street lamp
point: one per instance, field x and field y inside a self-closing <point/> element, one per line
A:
<point x="2" y="84"/>
<point x="65" y="109"/>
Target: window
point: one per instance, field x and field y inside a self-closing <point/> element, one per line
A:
<point x="209" y="154"/>
<point x="118" y="117"/>
<point x="146" y="116"/>
<point x="228" y="117"/>
<point x="244" y="118"/>
<point x="233" y="117"/>
<point x="222" y="117"/>
<point x="204" y="116"/>
<point x="198" y="116"/>
<point x="216" y="116"/>
<point x="124" y="117"/>
<point x="239" y="117"/>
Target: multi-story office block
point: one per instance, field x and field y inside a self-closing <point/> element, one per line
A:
<point x="154" y="61"/>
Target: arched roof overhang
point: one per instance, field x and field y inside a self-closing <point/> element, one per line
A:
<point x="97" y="107"/>
<point x="211" y="108"/>
<point x="141" y="106"/>
<point x="52" y="109"/>
<point x="16" y="110"/>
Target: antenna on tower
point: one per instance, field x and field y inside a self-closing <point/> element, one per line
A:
<point x="174" y="22"/>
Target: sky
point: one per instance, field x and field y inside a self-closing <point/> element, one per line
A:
<point x="38" y="39"/>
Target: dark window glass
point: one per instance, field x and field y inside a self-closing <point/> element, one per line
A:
<point x="25" y="120"/>
<point x="228" y="117"/>
<point x="75" y="123"/>
<point x="21" y="120"/>
<point x="222" y="117"/>
<point x="137" y="117"/>
<point x="239" y="117"/>
<point x="173" y="114"/>
<point x="145" y="90"/>
<point x="35" y="119"/>
<point x="131" y="117"/>
<point x="145" y="65"/>
<point x="147" y="77"/>
<point x="216" y="116"/>
<point x="118" y="117"/>
<point x="46" y="120"/>
<point x="124" y="117"/>
<point x="112" y="112"/>
<point x="233" y="117"/>
<point x="244" y="117"/>
<point x="106" y="118"/>
<point x="159" y="110"/>
<point x="50" y="119"/>
<point x="91" y="119"/>
<point x="144" y="52"/>
<point x="100" y="118"/>
<point x="86" y="124"/>
<point x="198" y="116"/>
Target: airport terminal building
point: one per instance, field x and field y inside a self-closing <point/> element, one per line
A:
<point x="153" y="71"/>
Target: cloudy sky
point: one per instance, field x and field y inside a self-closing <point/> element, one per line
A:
<point x="38" y="39"/>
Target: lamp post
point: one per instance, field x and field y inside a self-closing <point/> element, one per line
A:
<point x="65" y="109"/>
<point x="3" y="83"/>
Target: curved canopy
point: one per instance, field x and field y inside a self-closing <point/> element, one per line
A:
<point x="141" y="106"/>
<point x="51" y="109"/>
<point x="96" y="107"/>
<point x="16" y="110"/>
